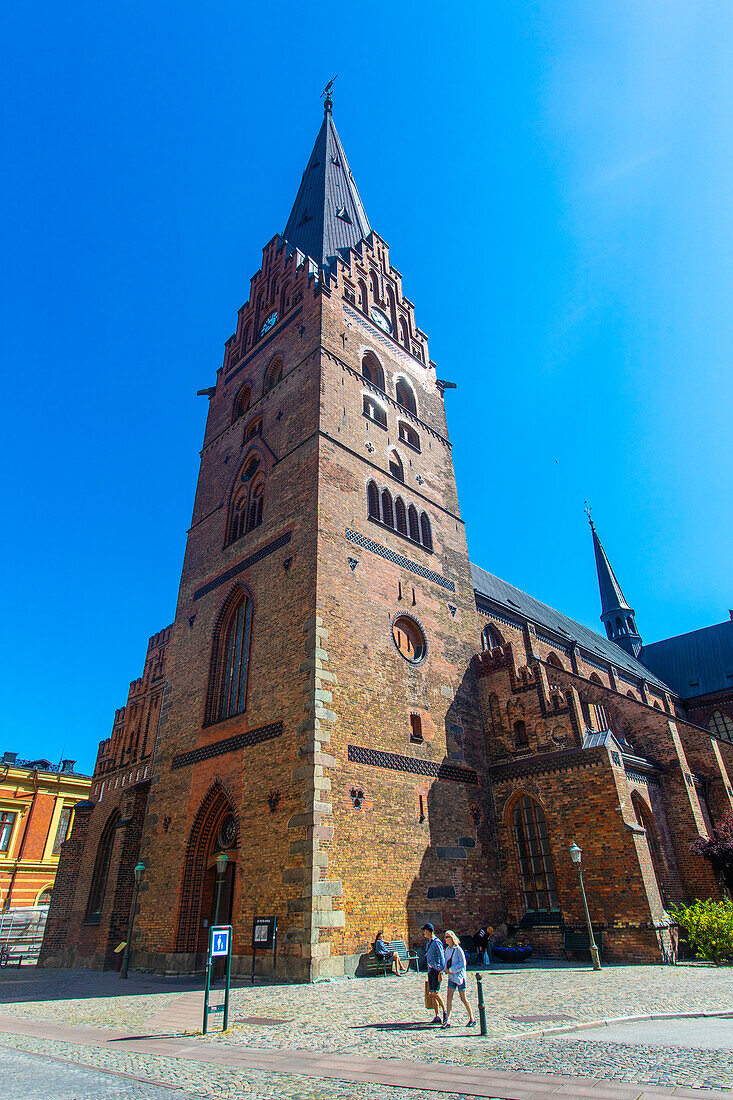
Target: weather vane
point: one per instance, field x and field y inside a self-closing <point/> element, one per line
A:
<point x="326" y="94"/>
<point x="588" y="512"/>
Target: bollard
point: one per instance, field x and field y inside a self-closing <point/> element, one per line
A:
<point x="481" y="1005"/>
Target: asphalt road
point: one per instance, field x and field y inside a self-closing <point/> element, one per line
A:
<point x="33" y="1077"/>
<point x="711" y="1033"/>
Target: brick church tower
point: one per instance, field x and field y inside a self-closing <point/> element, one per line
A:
<point x="318" y="721"/>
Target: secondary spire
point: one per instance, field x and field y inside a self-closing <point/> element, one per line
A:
<point x="328" y="215"/>
<point x="616" y="614"/>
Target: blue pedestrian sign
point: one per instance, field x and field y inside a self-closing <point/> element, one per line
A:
<point x="220" y="942"/>
<point x="220" y="947"/>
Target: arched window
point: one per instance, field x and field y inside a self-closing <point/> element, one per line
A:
<point x="400" y="516"/>
<point x="412" y="523"/>
<point x="392" y="308"/>
<point x="372" y="501"/>
<point x="536" y="872"/>
<point x="619" y="626"/>
<point x="520" y="734"/>
<point x="595" y="678"/>
<point x="253" y="428"/>
<point x="408" y="435"/>
<point x="490" y="637"/>
<point x="426" y="531"/>
<point x="256" y="500"/>
<point x="387" y="516"/>
<point x="404" y="334"/>
<point x="363" y="299"/>
<point x="645" y="818"/>
<point x="374" y="411"/>
<point x="721" y="725"/>
<point x="554" y="660"/>
<point x="101" y="869"/>
<point x="284" y="298"/>
<point x="247" y="500"/>
<point x="44" y="898"/>
<point x="609" y="630"/>
<point x="406" y="396"/>
<point x="371" y="369"/>
<point x="242" y="401"/>
<point x="374" y="282"/>
<point x="273" y="373"/>
<point x="630" y="624"/>
<point x="395" y="466"/>
<point x="234" y="649"/>
<point x="246" y="335"/>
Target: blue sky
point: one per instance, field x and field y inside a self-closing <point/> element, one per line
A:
<point x="554" y="180"/>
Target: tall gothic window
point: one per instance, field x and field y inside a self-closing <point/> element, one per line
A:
<point x="101" y="869"/>
<point x="426" y="531"/>
<point x="371" y="369"/>
<point x="246" y="508"/>
<point x="536" y="872"/>
<point x="721" y="725"/>
<point x="413" y="524"/>
<point x="400" y="516"/>
<point x="372" y="500"/>
<point x="234" y="656"/>
<point x="405" y="395"/>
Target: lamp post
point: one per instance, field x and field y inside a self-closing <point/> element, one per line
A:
<point x="139" y="872"/>
<point x="575" y="855"/>
<point x="221" y="865"/>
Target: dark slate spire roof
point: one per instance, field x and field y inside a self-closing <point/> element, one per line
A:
<point x="328" y="214"/>
<point x="621" y="628"/>
<point x="612" y="598"/>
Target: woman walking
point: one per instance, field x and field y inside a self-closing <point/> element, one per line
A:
<point x="455" y="964"/>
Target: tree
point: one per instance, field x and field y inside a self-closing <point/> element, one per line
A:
<point x="718" y="849"/>
<point x="708" y="926"/>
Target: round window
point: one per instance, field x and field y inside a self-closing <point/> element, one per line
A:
<point x="228" y="832"/>
<point x="409" y="638"/>
<point x="251" y="469"/>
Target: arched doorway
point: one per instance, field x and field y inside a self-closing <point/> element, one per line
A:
<point x="645" y="818"/>
<point x="215" y="829"/>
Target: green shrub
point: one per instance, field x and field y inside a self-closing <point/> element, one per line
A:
<point x="708" y="926"/>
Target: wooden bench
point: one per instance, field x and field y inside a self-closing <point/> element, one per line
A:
<point x="376" y="964"/>
<point x="580" y="941"/>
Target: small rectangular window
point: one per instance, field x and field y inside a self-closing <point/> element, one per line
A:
<point x="7" y="822"/>
<point x="416" y="728"/>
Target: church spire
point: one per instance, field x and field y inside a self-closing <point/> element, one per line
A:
<point x="328" y="214"/>
<point x="616" y="615"/>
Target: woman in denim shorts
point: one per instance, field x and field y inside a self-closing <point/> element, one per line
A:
<point x="455" y="963"/>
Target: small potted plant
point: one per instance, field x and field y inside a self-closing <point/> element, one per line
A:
<point x="511" y="950"/>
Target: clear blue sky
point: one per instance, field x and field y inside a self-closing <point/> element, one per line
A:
<point x="555" y="182"/>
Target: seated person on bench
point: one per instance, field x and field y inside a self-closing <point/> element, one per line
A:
<point x="383" y="952"/>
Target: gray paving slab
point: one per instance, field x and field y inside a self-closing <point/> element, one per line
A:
<point x="699" y="1033"/>
<point x="30" y="1076"/>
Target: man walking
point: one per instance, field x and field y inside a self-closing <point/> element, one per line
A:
<point x="435" y="960"/>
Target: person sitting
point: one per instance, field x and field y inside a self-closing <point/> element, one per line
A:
<point x="387" y="955"/>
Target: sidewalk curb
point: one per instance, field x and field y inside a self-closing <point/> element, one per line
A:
<point x="609" y="1021"/>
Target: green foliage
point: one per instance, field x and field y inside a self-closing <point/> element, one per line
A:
<point x="708" y="926"/>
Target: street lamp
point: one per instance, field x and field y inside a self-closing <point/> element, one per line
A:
<point x="139" y="871"/>
<point x="575" y="855"/>
<point x="221" y="865"/>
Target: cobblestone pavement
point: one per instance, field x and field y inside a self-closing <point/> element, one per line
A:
<point x="385" y="1017"/>
<point x="203" y="1079"/>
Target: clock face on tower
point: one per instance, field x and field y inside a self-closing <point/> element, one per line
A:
<point x="269" y="322"/>
<point x="381" y="319"/>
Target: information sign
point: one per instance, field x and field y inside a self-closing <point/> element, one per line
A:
<point x="219" y="942"/>
<point x="264" y="938"/>
<point x="220" y="946"/>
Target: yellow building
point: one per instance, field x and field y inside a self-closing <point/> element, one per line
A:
<point x="37" y="802"/>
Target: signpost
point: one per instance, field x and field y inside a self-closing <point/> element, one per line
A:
<point x="264" y="936"/>
<point x="220" y="947"/>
